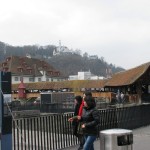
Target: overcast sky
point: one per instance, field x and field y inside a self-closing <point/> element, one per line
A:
<point x="118" y="30"/>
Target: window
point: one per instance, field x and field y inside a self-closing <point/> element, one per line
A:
<point x="16" y="78"/>
<point x="31" y="79"/>
<point x="39" y="79"/>
<point x="47" y="79"/>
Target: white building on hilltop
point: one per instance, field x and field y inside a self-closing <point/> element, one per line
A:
<point x="64" y="50"/>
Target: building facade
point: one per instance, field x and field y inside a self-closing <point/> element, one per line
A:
<point x="30" y="70"/>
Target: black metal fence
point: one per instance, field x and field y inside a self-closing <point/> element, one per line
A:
<point x="53" y="131"/>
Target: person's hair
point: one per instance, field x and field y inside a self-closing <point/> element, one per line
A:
<point x="87" y="93"/>
<point x="79" y="99"/>
<point x="90" y="101"/>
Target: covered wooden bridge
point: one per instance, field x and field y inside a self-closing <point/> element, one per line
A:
<point x="134" y="83"/>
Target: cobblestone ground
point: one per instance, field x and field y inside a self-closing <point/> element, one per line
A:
<point x="141" y="140"/>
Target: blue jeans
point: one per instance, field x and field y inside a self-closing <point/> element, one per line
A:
<point x="89" y="142"/>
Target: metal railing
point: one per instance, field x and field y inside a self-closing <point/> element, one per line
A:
<point x="53" y="131"/>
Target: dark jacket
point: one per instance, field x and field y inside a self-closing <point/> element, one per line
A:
<point x="91" y="119"/>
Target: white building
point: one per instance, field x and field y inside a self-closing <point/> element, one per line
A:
<point x="73" y="77"/>
<point x="64" y="50"/>
<point x="85" y="76"/>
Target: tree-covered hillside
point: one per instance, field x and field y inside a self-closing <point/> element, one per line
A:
<point x="67" y="63"/>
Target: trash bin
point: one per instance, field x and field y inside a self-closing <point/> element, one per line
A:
<point x="116" y="139"/>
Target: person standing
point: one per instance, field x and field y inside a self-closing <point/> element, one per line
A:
<point x="90" y="120"/>
<point x="122" y="97"/>
<point x="77" y="127"/>
<point x="75" y="123"/>
<point x="118" y="97"/>
<point x="82" y="139"/>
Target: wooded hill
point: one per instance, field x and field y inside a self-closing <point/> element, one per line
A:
<point x="67" y="63"/>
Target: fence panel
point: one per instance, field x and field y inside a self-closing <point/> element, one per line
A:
<point x="54" y="132"/>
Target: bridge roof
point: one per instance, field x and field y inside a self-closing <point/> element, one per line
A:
<point x="128" y="77"/>
<point x="63" y="84"/>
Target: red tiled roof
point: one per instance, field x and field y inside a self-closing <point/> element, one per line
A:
<point x="29" y="66"/>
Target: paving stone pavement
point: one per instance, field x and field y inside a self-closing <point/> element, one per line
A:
<point x="141" y="140"/>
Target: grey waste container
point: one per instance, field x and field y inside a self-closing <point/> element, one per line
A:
<point x="116" y="139"/>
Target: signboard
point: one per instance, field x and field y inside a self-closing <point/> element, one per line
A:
<point x="5" y="111"/>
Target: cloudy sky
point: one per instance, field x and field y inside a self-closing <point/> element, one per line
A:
<point x="118" y="30"/>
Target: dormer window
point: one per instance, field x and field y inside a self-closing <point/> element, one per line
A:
<point x="5" y="69"/>
<point x="50" y="72"/>
<point x="20" y="69"/>
<point x="29" y="69"/>
<point x="4" y="64"/>
<point x="57" y="73"/>
<point x="8" y="59"/>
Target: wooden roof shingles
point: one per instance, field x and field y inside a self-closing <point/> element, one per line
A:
<point x="78" y="84"/>
<point x="128" y="77"/>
